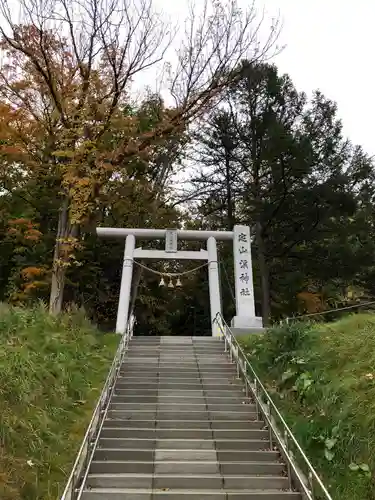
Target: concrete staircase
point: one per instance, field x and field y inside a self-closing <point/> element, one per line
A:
<point x="179" y="427"/>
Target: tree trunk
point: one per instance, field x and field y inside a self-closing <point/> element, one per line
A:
<point x="264" y="274"/>
<point x="57" y="285"/>
<point x="61" y="258"/>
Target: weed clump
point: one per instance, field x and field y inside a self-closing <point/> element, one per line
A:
<point x="322" y="376"/>
<point x="51" y="374"/>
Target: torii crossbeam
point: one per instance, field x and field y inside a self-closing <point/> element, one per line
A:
<point x="245" y="320"/>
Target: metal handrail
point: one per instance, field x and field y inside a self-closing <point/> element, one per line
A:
<point x="82" y="463"/>
<point x="266" y="407"/>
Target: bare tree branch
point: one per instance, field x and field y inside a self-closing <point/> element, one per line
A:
<point x="71" y="64"/>
<point x="214" y="43"/>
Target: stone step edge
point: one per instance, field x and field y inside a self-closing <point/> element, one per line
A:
<point x="198" y="380"/>
<point x="169" y="389"/>
<point x="271" y="452"/>
<point x="190" y="476"/>
<point x="164" y="363"/>
<point x="187" y="440"/>
<point x="252" y="493"/>
<point x="183" y="402"/>
<point x="189" y="462"/>
<point x="181" y="380"/>
<point x="227" y="381"/>
<point x="135" y="429"/>
<point x="155" y="421"/>
<point x="187" y="422"/>
<point x="180" y="373"/>
<point x="199" y="376"/>
<point x="161" y="404"/>
<point x="175" y="387"/>
<point x="188" y="396"/>
<point x="184" y="405"/>
<point x="182" y="412"/>
<point x="217" y="351"/>
<point x="179" y="369"/>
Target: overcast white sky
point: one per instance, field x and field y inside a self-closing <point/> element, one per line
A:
<point x="329" y="46"/>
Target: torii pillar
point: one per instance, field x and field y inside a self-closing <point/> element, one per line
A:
<point x="245" y="320"/>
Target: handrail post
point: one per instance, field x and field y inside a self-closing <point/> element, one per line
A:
<point x="267" y="410"/>
<point x="311" y="484"/>
<point x="256" y="399"/>
<point x="78" y="475"/>
<point x="269" y="426"/>
<point x="286" y="441"/>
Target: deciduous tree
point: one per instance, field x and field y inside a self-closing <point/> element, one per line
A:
<point x="68" y="66"/>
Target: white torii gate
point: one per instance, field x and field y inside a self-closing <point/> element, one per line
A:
<point x="245" y="319"/>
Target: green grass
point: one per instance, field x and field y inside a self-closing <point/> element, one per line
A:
<point x="51" y="373"/>
<point x="323" y="378"/>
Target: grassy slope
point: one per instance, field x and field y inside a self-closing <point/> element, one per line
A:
<point x="51" y="373"/>
<point x="333" y="414"/>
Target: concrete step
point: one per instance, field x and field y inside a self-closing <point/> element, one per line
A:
<point x="173" y="356"/>
<point x="127" y="384"/>
<point x="147" y="494"/>
<point x="158" y="362"/>
<point x="171" y="366"/>
<point x="191" y="345"/>
<point x="202" y="351"/>
<point x="177" y="376"/>
<point x="190" y="482"/>
<point x="180" y="415"/>
<point x="180" y="366"/>
<point x="187" y="406"/>
<point x="186" y="373"/>
<point x="181" y="389"/>
<point x="152" y="362"/>
<point x="134" y="398"/>
<point x="185" y="424"/>
<point x="214" y="349"/>
<point x="128" y="494"/>
<point x="171" y="374"/>
<point x="202" y="456"/>
<point x="138" y="342"/>
<point x="183" y="357"/>
<point x="172" y="363"/>
<point x="178" y="380"/>
<point x="180" y="353"/>
<point x="186" y="468"/>
<point x="186" y="378"/>
<point x="186" y="345"/>
<point x="198" y="352"/>
<point x="106" y="441"/>
<point x="123" y="432"/>
<point x="237" y="391"/>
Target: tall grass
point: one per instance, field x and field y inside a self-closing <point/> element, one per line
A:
<point x="323" y="378"/>
<point x="51" y="373"/>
